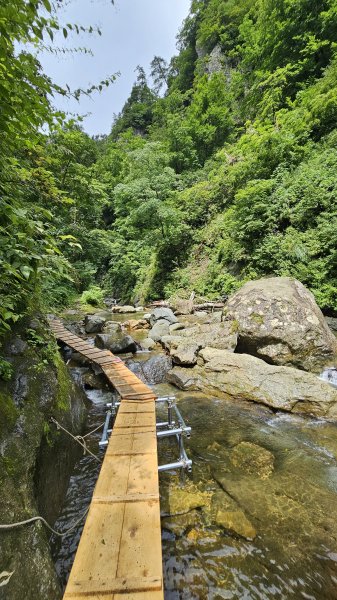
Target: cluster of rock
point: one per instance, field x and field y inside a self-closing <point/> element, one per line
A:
<point x="260" y="349"/>
<point x="110" y="335"/>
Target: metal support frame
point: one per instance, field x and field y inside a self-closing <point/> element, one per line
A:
<point x="175" y="426"/>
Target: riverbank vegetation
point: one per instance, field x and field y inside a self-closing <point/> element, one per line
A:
<point x="220" y="168"/>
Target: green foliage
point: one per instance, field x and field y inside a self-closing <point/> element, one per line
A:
<point x="46" y="346"/>
<point x="6" y="370"/>
<point x="35" y="179"/>
<point x="137" y="111"/>
<point x="94" y="296"/>
<point x="230" y="174"/>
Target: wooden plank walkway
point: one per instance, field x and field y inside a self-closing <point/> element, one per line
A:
<point x="119" y="556"/>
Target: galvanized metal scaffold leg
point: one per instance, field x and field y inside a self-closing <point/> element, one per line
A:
<point x="175" y="426"/>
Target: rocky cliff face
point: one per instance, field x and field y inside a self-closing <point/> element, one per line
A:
<point x="35" y="460"/>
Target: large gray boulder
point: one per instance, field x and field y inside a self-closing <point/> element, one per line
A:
<point x="94" y="323"/>
<point x="244" y="377"/>
<point x="118" y="343"/>
<point x="159" y="314"/>
<point x="277" y="319"/>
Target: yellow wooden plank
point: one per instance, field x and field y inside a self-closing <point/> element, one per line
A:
<point x="142" y="419"/>
<point x="134" y="443"/>
<point x="132" y="407"/>
<point x="137" y="396"/>
<point x="129" y="474"/>
<point x="143" y="475"/>
<point x="83" y="345"/>
<point x="140" y="548"/>
<point x="102" y="361"/>
<point x="125" y="498"/>
<point x="119" y="555"/>
<point x="116" y="552"/>
<point x="157" y="595"/>
<point x="94" y="353"/>
<point x="113" y="477"/>
<point x="98" y="552"/>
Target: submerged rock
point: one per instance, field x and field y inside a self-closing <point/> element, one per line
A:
<point x="225" y="512"/>
<point x="253" y="459"/>
<point x="236" y="521"/>
<point x="178" y="524"/>
<point x="244" y="377"/>
<point x="277" y="319"/>
<point x="177" y="500"/>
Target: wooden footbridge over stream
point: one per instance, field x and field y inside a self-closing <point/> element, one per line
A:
<point x="119" y="556"/>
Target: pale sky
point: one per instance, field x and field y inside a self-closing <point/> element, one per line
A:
<point x="133" y="32"/>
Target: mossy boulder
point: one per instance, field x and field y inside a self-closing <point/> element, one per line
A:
<point x="32" y="453"/>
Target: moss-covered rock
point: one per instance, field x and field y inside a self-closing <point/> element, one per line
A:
<point x="30" y="449"/>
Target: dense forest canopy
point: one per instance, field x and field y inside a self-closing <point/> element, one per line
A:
<point x="221" y="167"/>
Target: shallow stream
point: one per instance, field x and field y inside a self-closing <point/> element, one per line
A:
<point x="257" y="519"/>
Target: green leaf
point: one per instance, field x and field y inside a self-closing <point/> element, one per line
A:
<point x="26" y="271"/>
<point x="47" y="5"/>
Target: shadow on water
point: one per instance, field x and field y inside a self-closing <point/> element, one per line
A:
<point x="267" y="523"/>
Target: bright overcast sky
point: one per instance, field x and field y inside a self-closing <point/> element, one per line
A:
<point x="133" y="32"/>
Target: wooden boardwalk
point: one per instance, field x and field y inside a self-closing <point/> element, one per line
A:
<point x="119" y="556"/>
